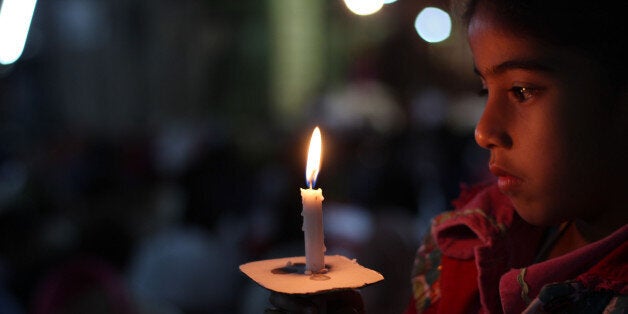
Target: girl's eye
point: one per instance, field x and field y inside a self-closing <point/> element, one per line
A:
<point x="522" y="94"/>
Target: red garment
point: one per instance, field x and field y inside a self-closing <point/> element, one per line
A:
<point x="475" y="258"/>
<point x="598" y="265"/>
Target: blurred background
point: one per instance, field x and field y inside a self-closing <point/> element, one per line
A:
<point x="150" y="147"/>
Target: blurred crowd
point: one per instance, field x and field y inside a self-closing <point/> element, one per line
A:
<point x="159" y="224"/>
<point x="141" y="164"/>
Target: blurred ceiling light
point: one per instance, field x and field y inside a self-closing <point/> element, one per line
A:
<point x="15" y="21"/>
<point x="433" y="25"/>
<point x="364" y="7"/>
<point x="389" y="1"/>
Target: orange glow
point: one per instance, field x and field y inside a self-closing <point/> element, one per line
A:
<point x="313" y="158"/>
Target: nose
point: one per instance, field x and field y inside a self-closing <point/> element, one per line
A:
<point x="492" y="129"/>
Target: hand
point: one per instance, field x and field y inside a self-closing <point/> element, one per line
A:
<point x="335" y="302"/>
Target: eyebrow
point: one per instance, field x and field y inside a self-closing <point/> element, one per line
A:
<point x="518" y="64"/>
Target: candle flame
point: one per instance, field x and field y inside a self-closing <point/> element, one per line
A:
<point x="313" y="158"/>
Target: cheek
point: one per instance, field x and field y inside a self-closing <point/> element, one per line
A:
<point x="571" y="132"/>
<point x="570" y="165"/>
<point x="587" y="122"/>
<point x="588" y="137"/>
<point x="568" y="149"/>
<point x="549" y="141"/>
<point x="552" y="173"/>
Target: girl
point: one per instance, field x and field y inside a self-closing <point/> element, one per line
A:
<point x="550" y="235"/>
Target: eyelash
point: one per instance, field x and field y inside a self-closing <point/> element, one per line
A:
<point x="520" y="93"/>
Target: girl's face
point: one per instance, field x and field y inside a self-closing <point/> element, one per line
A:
<point x="548" y="126"/>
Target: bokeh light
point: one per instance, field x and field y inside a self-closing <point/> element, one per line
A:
<point x="433" y="25"/>
<point x="15" y="21"/>
<point x="364" y="7"/>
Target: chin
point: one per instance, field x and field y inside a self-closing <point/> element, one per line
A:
<point x="536" y="216"/>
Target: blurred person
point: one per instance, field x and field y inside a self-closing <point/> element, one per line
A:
<point x="550" y="235"/>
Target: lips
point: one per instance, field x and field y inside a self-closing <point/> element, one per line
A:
<point x="505" y="180"/>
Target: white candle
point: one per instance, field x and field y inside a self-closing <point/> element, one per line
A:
<point x="313" y="210"/>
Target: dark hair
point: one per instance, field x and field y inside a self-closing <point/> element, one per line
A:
<point x="595" y="28"/>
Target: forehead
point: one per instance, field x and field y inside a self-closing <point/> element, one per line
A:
<point x="496" y="46"/>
